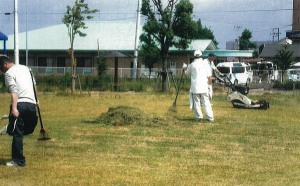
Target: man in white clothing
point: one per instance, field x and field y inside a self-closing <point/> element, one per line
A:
<point x="200" y="74"/>
<point x="210" y="61"/>
<point x="22" y="117"/>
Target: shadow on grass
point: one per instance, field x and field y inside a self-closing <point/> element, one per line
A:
<point x="172" y="112"/>
<point x="3" y="161"/>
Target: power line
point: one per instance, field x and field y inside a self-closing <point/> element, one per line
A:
<point x="226" y="11"/>
<point x="241" y="11"/>
<point x="45" y="13"/>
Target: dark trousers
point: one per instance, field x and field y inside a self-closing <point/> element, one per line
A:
<point x="26" y="110"/>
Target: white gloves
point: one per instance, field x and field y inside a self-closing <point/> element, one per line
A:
<point x="210" y="87"/>
<point x="184" y="65"/>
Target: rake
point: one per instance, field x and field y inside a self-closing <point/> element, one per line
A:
<point x="173" y="107"/>
<point x="42" y="136"/>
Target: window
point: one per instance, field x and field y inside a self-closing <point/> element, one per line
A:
<point x="44" y="63"/>
<point x="62" y="63"/>
<point x="238" y="69"/>
<point x="224" y="70"/>
<point x="30" y="61"/>
<point x="84" y="62"/>
<point x="84" y="65"/>
<point x="173" y="65"/>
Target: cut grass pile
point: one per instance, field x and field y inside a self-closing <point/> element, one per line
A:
<point x="126" y="115"/>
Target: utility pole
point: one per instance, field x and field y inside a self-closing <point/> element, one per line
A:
<point x="238" y="35"/>
<point x="16" y="34"/>
<point x="274" y="34"/>
<point x="26" y="34"/>
<point x="278" y="33"/>
<point x="136" y="41"/>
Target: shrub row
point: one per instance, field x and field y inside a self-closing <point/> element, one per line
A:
<point x="55" y="83"/>
<point x="287" y="85"/>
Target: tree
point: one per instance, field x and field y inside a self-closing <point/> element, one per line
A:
<point x="244" y="41"/>
<point x="149" y="52"/>
<point x="205" y="33"/>
<point x="102" y="66"/>
<point x="74" y="20"/>
<point x="255" y="54"/>
<point x="284" y="58"/>
<point x="173" y="27"/>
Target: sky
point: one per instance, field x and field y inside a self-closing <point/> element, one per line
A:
<point x="221" y="16"/>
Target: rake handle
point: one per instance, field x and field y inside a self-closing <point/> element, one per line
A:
<point x="36" y="100"/>
<point x="178" y="87"/>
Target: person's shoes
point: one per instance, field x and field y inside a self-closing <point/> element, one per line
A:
<point x="210" y="120"/>
<point x="12" y="164"/>
<point x="5" y="116"/>
<point x="3" y="130"/>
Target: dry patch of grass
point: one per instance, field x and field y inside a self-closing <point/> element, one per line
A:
<point x="151" y="146"/>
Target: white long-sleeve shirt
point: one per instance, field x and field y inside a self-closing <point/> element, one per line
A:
<point x="18" y="80"/>
<point x="199" y="71"/>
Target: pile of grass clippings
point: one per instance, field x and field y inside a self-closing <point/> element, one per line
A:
<point x="125" y="115"/>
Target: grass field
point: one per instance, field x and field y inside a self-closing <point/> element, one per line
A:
<point x="146" y="144"/>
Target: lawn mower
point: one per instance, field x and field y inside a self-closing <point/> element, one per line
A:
<point x="238" y="96"/>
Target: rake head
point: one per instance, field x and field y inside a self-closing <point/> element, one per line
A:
<point x="173" y="108"/>
<point x="43" y="136"/>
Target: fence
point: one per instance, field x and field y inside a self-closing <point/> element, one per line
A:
<point x="63" y="70"/>
<point x="256" y="76"/>
<point x="122" y="72"/>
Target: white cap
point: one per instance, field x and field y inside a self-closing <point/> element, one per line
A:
<point x="197" y="53"/>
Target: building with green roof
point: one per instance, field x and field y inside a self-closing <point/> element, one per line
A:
<point x="48" y="47"/>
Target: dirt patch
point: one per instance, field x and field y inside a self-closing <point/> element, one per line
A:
<point x="125" y="115"/>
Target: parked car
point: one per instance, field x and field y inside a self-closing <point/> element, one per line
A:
<point x="237" y="72"/>
<point x="269" y="70"/>
<point x="294" y="72"/>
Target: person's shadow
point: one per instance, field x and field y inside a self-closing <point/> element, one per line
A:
<point x="3" y="161"/>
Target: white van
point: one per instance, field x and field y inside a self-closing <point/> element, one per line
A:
<point x="268" y="69"/>
<point x="294" y="72"/>
<point x="237" y="72"/>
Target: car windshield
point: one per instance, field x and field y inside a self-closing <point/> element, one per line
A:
<point x="238" y="69"/>
<point x="265" y="66"/>
<point x="294" y="72"/>
<point x="224" y="70"/>
<point x="295" y="67"/>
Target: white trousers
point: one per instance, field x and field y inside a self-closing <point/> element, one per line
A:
<point x="203" y="99"/>
<point x="210" y="92"/>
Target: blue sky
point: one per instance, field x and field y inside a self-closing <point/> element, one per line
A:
<point x="221" y="16"/>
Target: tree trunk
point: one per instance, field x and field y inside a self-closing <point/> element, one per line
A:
<point x="73" y="67"/>
<point x="164" y="74"/>
<point x="72" y="71"/>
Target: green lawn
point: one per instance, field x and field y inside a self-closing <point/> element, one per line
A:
<point x="153" y="146"/>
